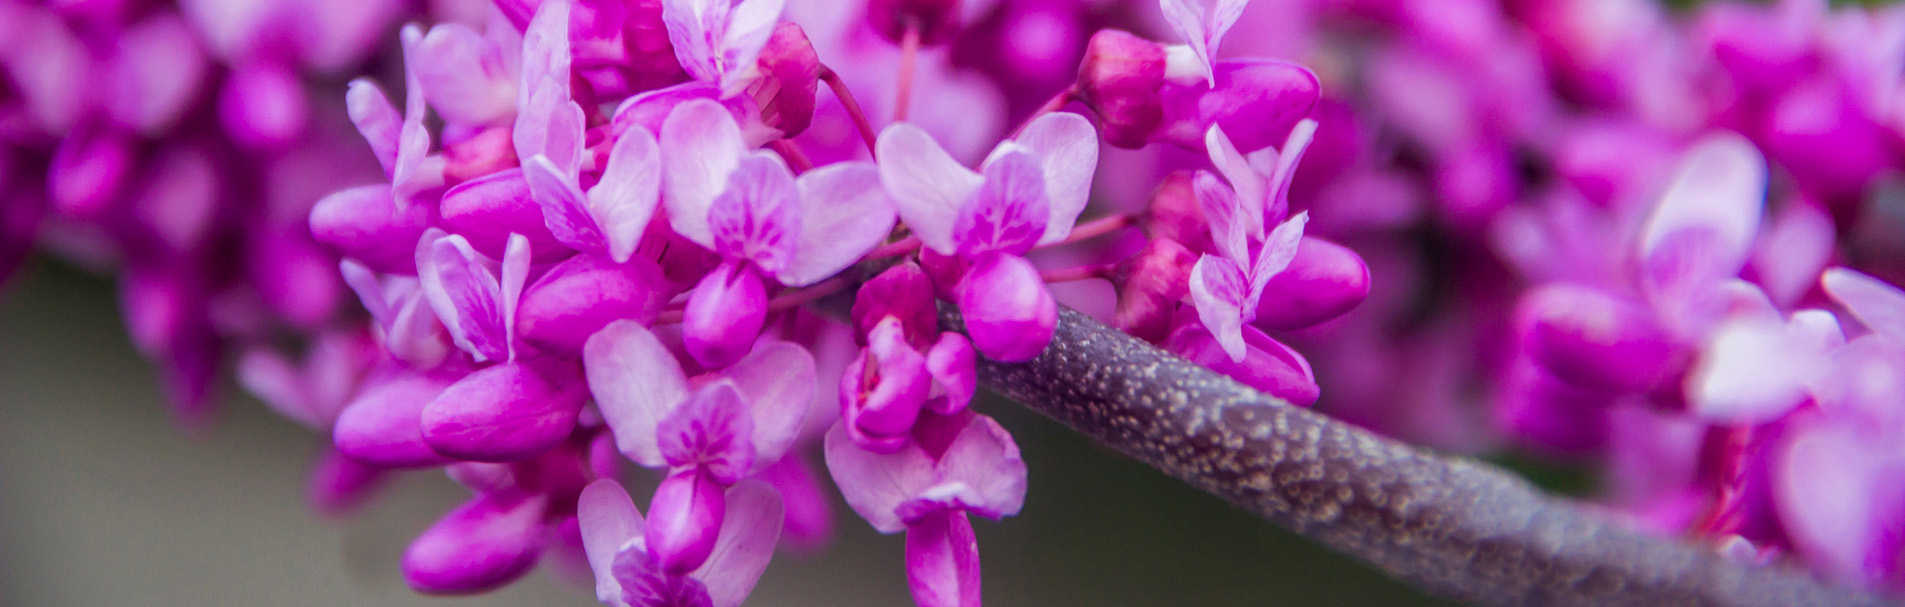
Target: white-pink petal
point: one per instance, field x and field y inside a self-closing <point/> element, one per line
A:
<point x="777" y="380"/>
<point x="875" y="484"/>
<point x="624" y="201"/>
<point x="845" y="213"/>
<point x="700" y="145"/>
<point x="927" y="186"/>
<point x="1719" y="189"/>
<point x="1067" y="147"/>
<point x="636" y="381"/>
<point x="608" y="520"/>
<point x="749" y="531"/>
<point x="1877" y="305"/>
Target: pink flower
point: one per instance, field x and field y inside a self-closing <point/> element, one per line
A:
<point x="619" y="548"/>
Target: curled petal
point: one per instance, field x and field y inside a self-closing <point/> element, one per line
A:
<point x="564" y="210"/>
<point x="413" y="140"/>
<point x="625" y="199"/>
<point x="636" y="383"/>
<point x="928" y="187"/>
<point x="1219" y="290"/>
<point x="363" y="223"/>
<point x="466" y="295"/>
<point x="1279" y="248"/>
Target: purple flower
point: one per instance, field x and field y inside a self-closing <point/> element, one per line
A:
<point x="956" y="464"/>
<point x="763" y="222"/>
<point x="626" y="574"/>
<point x="1227" y="287"/>
<point x="1028" y="192"/>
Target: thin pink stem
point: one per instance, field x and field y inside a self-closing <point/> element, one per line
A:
<point x="1078" y="273"/>
<point x="909" y="54"/>
<point x="845" y="95"/>
<point x="900" y="247"/>
<point x="1057" y="102"/>
<point x="792" y="154"/>
<point x="787" y="299"/>
<point x="1095" y="228"/>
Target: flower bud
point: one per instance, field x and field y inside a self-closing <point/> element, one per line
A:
<point x="364" y="223"/>
<point x="1122" y="79"/>
<point x="508" y="412"/>
<point x="486" y="210"/>
<point x="482" y="545"/>
<point x="1150" y="286"/>
<point x="790" y="75"/>
<point x="1596" y="340"/>
<point x="1008" y="311"/>
<point x="684" y="519"/>
<point x="585" y="293"/>
<point x="1325" y="280"/>
<point x="883" y="389"/>
<point x="339" y="484"/>
<point x="1175" y="214"/>
<point x="262" y="105"/>
<point x="902" y="292"/>
<point x="724" y="315"/>
<point x="935" y="20"/>
<point x="383" y="427"/>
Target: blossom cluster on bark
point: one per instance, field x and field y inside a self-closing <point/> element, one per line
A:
<point x="1651" y="243"/>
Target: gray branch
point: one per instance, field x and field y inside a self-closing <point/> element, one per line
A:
<point x="1450" y="525"/>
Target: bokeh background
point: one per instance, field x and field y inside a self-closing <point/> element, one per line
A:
<point x="104" y="502"/>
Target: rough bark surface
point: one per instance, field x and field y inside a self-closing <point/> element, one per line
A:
<point x="1453" y="526"/>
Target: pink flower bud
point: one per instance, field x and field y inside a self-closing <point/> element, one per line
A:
<point x="883" y="389"/>
<point x="488" y="209"/>
<point x="584" y="293"/>
<point x="1325" y="280"/>
<point x="1175" y="214"/>
<point x="365" y="224"/>
<point x="902" y="292"/>
<point x="935" y="20"/>
<point x="724" y="315"/>
<point x="790" y="75"/>
<point x="488" y="150"/>
<point x="1122" y="78"/>
<point x="382" y="427"/>
<point x="1150" y="286"/>
<point x="508" y="412"/>
<point x="1008" y="311"/>
<point x="262" y="105"/>
<point x="480" y="546"/>
<point x="88" y="171"/>
<point x="683" y="520"/>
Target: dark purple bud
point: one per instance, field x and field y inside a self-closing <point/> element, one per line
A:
<point x="1121" y="78"/>
<point x="480" y="546"/>
<point x="1150" y="286"/>
<point x="488" y="209"/>
<point x="585" y="293"/>
<point x="790" y="75"/>
<point x="1325" y="280"/>
<point x="936" y="21"/>
<point x="1008" y="311"/>
<point x="508" y="412"/>
<point x="1597" y="340"/>
<point x="383" y="426"/>
<point x="684" y="519"/>
<point x="724" y="315"/>
<point x="366" y="224"/>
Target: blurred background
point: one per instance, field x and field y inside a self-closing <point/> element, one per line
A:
<point x="104" y="502"/>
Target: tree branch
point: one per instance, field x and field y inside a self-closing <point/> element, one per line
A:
<point x="1451" y="525"/>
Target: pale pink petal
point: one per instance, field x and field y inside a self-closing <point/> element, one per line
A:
<point x="927" y="185"/>
<point x="157" y="74"/>
<point x="1009" y="211"/>
<point x="273" y="379"/>
<point x="1067" y="148"/>
<point x="700" y="146"/>
<point x="636" y="382"/>
<point x="413" y="139"/>
<point x="942" y="561"/>
<point x="1218" y="289"/>
<point x="875" y="484"/>
<point x="465" y="77"/>
<point x="749" y="25"/>
<point x="376" y="119"/>
<point x="1278" y="198"/>
<point x="465" y="293"/>
<point x="609" y="520"/>
<point x="748" y="534"/>
<point x="625" y="199"/>
<point x="1717" y="193"/>
<point x="757" y="217"/>
<point x="777" y="381"/>
<point x="564" y="209"/>
<point x="691" y="30"/>
<point x="1224" y="211"/>
<point x="985" y="461"/>
<point x="1253" y="188"/>
<point x="1753" y="371"/>
<point x="548" y="122"/>
<point x="844" y="214"/>
<point x="1278" y="250"/>
<point x="515" y="272"/>
<point x="1186" y="17"/>
<point x="1877" y="305"/>
<point x="711" y="433"/>
<point x="1823" y="487"/>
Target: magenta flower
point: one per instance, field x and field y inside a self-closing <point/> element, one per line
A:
<point x="619" y="549"/>
<point x="763" y="222"/>
<point x="956" y="464"/>
<point x="717" y="41"/>
<point x="904" y="369"/>
<point x="710" y="433"/>
<point x="1028" y="192"/>
<point x="1227" y="287"/>
<point x="518" y="511"/>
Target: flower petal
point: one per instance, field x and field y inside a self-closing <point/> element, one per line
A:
<point x="1224" y="211"/>
<point x="624" y="200"/>
<point x="713" y="432"/>
<point x="484" y="544"/>
<point x="692" y="30"/>
<point x="845" y="213"/>
<point x="942" y="561"/>
<point x="1218" y="290"/>
<point x="376" y="119"/>
<point x="636" y="382"/>
<point x="1067" y="149"/>
<point x="608" y="519"/>
<point x="875" y="484"/>
<point x="757" y="217"/>
<point x="1716" y="197"/>
<point x="413" y="142"/>
<point x="777" y="381"/>
<point x="463" y="290"/>
<point x="564" y="210"/>
<point x="984" y="459"/>
<point x="465" y="77"/>
<point x="1009" y="211"/>
<point x="928" y="187"/>
<point x="748" y="27"/>
<point x="1877" y="305"/>
<point x="1277" y="252"/>
<point x="701" y="145"/>
<point x="506" y="413"/>
<point x="746" y="544"/>
<point x="1252" y="188"/>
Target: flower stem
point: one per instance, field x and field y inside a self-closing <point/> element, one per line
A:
<point x="900" y="247"/>
<point x="791" y="298"/>
<point x="1057" y="102"/>
<point x="909" y="55"/>
<point x="845" y="95"/>
<point x="1078" y="273"/>
<point x="792" y="154"/>
<point x="1095" y="228"/>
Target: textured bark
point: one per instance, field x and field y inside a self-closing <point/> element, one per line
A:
<point x="1450" y="525"/>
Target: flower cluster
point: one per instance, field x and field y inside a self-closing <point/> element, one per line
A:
<point x="1654" y="244"/>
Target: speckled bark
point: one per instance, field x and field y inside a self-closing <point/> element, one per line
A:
<point x="1453" y="526"/>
